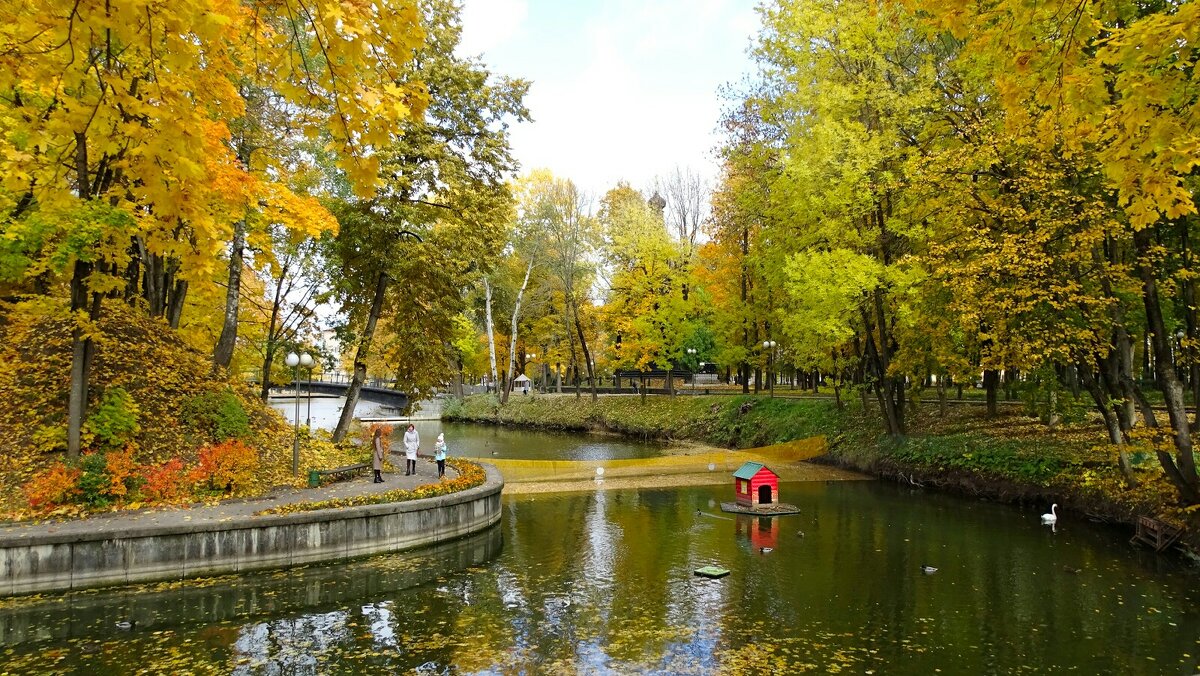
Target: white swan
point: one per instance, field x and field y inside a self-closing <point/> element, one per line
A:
<point x="1052" y="517"/>
<point x="928" y="570"/>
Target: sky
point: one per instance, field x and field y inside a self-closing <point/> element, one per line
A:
<point x="621" y="89"/>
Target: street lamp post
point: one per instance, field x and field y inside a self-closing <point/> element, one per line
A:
<point x="532" y="356"/>
<point x="769" y="345"/>
<point x="691" y="353"/>
<point x="293" y="360"/>
<point x="307" y="362"/>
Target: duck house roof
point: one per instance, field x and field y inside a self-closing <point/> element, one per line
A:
<point x="748" y="470"/>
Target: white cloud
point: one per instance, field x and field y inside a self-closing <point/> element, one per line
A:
<point x="487" y="23"/>
<point x="621" y="89"/>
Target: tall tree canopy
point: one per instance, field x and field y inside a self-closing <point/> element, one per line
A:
<point x="118" y="147"/>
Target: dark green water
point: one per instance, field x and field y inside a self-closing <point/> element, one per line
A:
<point x="602" y="583"/>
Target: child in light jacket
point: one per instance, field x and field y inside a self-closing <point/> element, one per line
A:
<point x="439" y="454"/>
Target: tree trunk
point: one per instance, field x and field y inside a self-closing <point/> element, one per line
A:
<point x="941" y="392"/>
<point x="81" y="345"/>
<point x="491" y="329"/>
<point x="744" y="368"/>
<point x="512" y="338"/>
<point x="889" y="393"/>
<point x="1053" y="420"/>
<point x="272" y="337"/>
<point x="587" y="354"/>
<point x="264" y="392"/>
<point x="1181" y="469"/>
<point x="360" y="361"/>
<point x="80" y="348"/>
<point x="175" y="306"/>
<point x="1190" y="354"/>
<point x="642" y="389"/>
<point x="1111" y="425"/>
<point x="991" y="379"/>
<point x="223" y="353"/>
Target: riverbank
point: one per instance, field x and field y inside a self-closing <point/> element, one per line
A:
<point x="1012" y="458"/>
<point x="291" y="526"/>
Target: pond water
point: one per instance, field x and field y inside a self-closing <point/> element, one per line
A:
<point x="602" y="582"/>
<point x="482" y="441"/>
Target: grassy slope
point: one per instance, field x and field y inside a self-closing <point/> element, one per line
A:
<point x="737" y="422"/>
<point x="151" y="362"/>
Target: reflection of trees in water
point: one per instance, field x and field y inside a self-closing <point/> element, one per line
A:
<point x="379" y="617"/>
<point x="291" y="646"/>
<point x="602" y="583"/>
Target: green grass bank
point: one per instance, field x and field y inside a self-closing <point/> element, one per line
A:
<point x="1011" y="458"/>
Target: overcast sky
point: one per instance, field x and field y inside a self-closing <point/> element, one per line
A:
<point x="622" y="89"/>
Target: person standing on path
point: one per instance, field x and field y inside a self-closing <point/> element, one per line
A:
<point x="439" y="454"/>
<point x="377" y="457"/>
<point x="412" y="441"/>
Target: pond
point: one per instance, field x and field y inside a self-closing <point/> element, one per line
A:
<point x="482" y="441"/>
<point x="601" y="582"/>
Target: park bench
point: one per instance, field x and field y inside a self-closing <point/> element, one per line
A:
<point x="338" y="473"/>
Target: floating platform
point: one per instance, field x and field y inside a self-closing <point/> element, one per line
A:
<point x="711" y="572"/>
<point x="777" y="509"/>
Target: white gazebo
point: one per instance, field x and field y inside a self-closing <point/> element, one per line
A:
<point x="521" y="382"/>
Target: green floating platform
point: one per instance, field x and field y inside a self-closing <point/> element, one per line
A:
<point x="777" y="509"/>
<point x="711" y="572"/>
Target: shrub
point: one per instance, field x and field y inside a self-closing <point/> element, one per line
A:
<point x="218" y="415"/>
<point x="94" y="481"/>
<point x="58" y="485"/>
<point x="50" y="439"/>
<point x="165" y="482"/>
<point x="226" y="466"/>
<point x="123" y="478"/>
<point x="115" y="420"/>
<point x="367" y="434"/>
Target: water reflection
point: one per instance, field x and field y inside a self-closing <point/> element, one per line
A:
<point x="602" y="583"/>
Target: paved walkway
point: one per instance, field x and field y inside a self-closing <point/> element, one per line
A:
<point x="230" y="510"/>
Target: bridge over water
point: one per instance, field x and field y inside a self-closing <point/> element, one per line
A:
<point x="378" y="391"/>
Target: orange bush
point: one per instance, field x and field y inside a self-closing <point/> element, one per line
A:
<point x="229" y="465"/>
<point x="367" y="434"/>
<point x="56" y="486"/>
<point x="165" y="482"/>
<point x="120" y="467"/>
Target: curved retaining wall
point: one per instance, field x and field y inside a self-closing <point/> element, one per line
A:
<point x="61" y="562"/>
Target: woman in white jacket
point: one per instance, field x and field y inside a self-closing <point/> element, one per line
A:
<point x="412" y="441"/>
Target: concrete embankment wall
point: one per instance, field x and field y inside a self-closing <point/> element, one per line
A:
<point x="60" y="562"/>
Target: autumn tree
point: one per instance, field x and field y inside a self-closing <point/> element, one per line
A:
<point x="117" y="118"/>
<point x="647" y="313"/>
<point x="1109" y="88"/>
<point x="571" y="238"/>
<point x="444" y="185"/>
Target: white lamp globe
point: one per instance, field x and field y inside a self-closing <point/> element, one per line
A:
<point x="306" y="360"/>
<point x="292" y="359"/>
